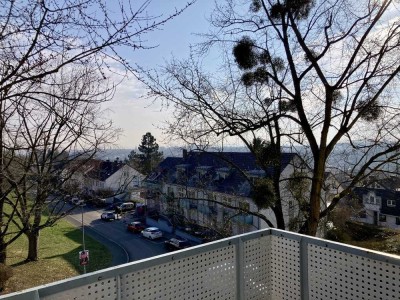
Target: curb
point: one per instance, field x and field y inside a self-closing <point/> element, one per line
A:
<point x="116" y="249"/>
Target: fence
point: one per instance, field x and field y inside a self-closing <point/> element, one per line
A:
<point x="267" y="264"/>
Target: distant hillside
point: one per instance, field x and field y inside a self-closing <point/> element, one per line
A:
<point x="343" y="157"/>
<point x="122" y="154"/>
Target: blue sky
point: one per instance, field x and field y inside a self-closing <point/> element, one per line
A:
<point x="129" y="111"/>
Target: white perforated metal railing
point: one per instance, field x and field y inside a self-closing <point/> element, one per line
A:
<point x="269" y="264"/>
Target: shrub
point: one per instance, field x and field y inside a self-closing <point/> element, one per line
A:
<point x="337" y="235"/>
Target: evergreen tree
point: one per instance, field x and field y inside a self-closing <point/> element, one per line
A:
<point x="148" y="157"/>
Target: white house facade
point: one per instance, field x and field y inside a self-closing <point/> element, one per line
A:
<point x="194" y="185"/>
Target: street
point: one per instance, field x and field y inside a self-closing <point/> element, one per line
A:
<point x="135" y="246"/>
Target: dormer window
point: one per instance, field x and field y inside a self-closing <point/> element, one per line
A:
<point x="181" y="171"/>
<point x="372" y="199"/>
<point x="255" y="174"/>
<point x="202" y="170"/>
<point x="223" y="173"/>
<point x="182" y="168"/>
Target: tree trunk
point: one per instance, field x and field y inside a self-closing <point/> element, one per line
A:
<point x="3" y="252"/>
<point x="280" y="220"/>
<point x="33" y="242"/>
<point x="310" y="227"/>
<point x="3" y="244"/>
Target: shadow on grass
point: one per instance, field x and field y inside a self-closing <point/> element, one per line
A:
<point x="23" y="262"/>
<point x="99" y="256"/>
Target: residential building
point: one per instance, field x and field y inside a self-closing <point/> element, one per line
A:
<point x="191" y="188"/>
<point x="380" y="198"/>
<point x="332" y="186"/>
<point x="95" y="176"/>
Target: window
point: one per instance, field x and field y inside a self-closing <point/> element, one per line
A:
<point x="181" y="193"/>
<point x="135" y="182"/>
<point x="397" y="220"/>
<point x="170" y="191"/>
<point x="372" y="200"/>
<point x="191" y="194"/>
<point x="382" y="218"/>
<point x="227" y="200"/>
<point x="244" y="205"/>
<point x="222" y="173"/>
<point x="391" y="203"/>
<point x="193" y="204"/>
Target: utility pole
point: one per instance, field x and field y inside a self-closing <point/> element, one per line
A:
<point x="83" y="239"/>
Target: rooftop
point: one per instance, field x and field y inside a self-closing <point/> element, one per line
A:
<point x="223" y="172"/>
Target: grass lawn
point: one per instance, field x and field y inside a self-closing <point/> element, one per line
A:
<point x="59" y="247"/>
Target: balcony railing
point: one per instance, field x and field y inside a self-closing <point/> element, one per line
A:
<point x="267" y="264"/>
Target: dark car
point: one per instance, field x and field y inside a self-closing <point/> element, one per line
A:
<point x="124" y="207"/>
<point x="176" y="244"/>
<point x="108" y="216"/>
<point x="135" y="227"/>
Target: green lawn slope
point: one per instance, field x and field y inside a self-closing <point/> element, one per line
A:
<point x="58" y="251"/>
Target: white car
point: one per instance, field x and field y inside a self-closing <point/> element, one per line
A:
<point x="152" y="233"/>
<point x="108" y="216"/>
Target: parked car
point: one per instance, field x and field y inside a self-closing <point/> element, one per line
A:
<point x="176" y="244"/>
<point x="135" y="227"/>
<point x="126" y="206"/>
<point x="102" y="202"/>
<point x="77" y="201"/>
<point x="152" y="233"/>
<point x="108" y="216"/>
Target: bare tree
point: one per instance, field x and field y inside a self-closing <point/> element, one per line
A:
<point x="57" y="127"/>
<point x="320" y="76"/>
<point x="41" y="38"/>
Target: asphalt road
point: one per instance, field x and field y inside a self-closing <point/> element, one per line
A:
<point x="123" y="245"/>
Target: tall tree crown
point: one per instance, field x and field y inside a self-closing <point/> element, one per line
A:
<point x="148" y="157"/>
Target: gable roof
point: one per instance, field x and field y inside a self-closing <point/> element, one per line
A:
<point x="104" y="169"/>
<point x="384" y="195"/>
<point x="390" y="183"/>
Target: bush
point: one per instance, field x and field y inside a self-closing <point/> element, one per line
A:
<point x="337" y="235"/>
<point x="6" y="273"/>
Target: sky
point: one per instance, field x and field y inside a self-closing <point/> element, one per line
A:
<point x="129" y="110"/>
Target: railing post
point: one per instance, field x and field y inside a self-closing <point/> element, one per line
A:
<point x="118" y="283"/>
<point x="35" y="295"/>
<point x="240" y="270"/>
<point x="304" y="269"/>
